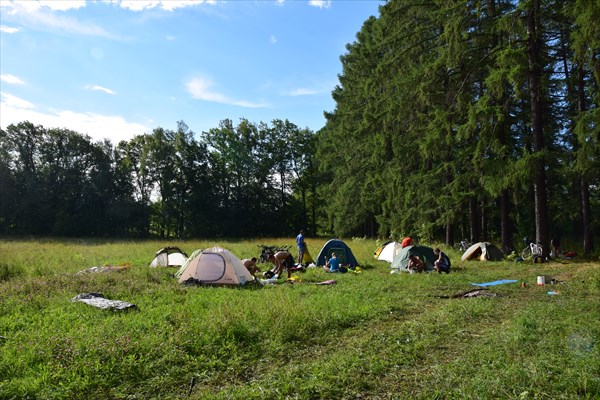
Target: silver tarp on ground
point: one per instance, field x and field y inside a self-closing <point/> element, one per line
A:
<point x="98" y="300"/>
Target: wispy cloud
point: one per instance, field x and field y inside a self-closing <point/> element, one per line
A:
<point x="273" y="39"/>
<point x="320" y="3"/>
<point x="99" y="88"/>
<point x="13" y="80"/>
<point x="168" y="5"/>
<point x="8" y="29"/>
<point x="302" y="92"/>
<point x="43" y="15"/>
<point x="11" y="101"/>
<point x="99" y="127"/>
<point x="200" y="88"/>
<point x="31" y="6"/>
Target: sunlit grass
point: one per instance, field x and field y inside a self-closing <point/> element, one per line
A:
<point x="371" y="335"/>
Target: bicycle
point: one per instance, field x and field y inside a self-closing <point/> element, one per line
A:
<point x="533" y="251"/>
<point x="463" y="245"/>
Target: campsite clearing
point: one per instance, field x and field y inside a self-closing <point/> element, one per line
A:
<point x="371" y="335"/>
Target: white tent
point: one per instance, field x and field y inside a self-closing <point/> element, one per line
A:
<point x="215" y="266"/>
<point x="169" y="257"/>
<point x="388" y="251"/>
<point x="483" y="251"/>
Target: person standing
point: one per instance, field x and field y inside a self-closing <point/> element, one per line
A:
<point x="301" y="246"/>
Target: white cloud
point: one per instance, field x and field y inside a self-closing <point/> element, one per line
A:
<point x="63" y="5"/>
<point x="170" y="37"/>
<point x="30" y="6"/>
<point x="11" y="101"/>
<point x="41" y="14"/>
<point x="99" y="88"/>
<point x="8" y="29"/>
<point x="113" y="127"/>
<point x="168" y="5"/>
<point x="273" y="39"/>
<point x="302" y="92"/>
<point x="11" y="79"/>
<point x="200" y="89"/>
<point x="320" y="3"/>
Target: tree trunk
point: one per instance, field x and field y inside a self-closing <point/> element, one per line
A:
<point x="534" y="52"/>
<point x="586" y="214"/>
<point x="586" y="211"/>
<point x="474" y="220"/>
<point x="484" y="223"/>
<point x="505" y="226"/>
<point x="449" y="235"/>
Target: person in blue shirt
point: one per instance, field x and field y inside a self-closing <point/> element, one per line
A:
<point x="301" y="246"/>
<point x="333" y="264"/>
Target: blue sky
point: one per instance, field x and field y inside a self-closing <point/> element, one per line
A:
<point x="114" y="69"/>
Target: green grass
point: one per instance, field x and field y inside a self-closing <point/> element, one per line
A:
<point x="372" y="335"/>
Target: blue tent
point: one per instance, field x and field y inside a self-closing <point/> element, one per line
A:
<point x="341" y="249"/>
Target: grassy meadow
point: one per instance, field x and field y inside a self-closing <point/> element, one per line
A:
<point x="370" y="336"/>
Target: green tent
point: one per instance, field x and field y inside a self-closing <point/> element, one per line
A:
<point x="400" y="262"/>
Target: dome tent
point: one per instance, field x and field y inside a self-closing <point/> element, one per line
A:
<point x="169" y="257"/>
<point x="214" y="266"/>
<point x="400" y="263"/>
<point x="341" y="249"/>
<point x="484" y="251"/>
<point x="388" y="251"/>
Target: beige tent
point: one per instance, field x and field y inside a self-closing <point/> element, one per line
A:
<point x="169" y="257"/>
<point x="483" y="251"/>
<point x="214" y="266"/>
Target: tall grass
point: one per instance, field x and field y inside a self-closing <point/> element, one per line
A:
<point x="372" y="335"/>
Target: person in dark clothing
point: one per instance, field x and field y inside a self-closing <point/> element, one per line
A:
<point x="442" y="264"/>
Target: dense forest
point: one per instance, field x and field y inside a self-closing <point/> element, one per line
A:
<point x="242" y="180"/>
<point x="470" y="118"/>
<point x="452" y="119"/>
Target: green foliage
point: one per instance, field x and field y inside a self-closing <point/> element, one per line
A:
<point x="372" y="335"/>
<point x="247" y="180"/>
<point x="8" y="272"/>
<point x="434" y="103"/>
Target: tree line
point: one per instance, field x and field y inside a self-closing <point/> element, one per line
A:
<point x="474" y="119"/>
<point x="453" y="119"/>
<point x="234" y="180"/>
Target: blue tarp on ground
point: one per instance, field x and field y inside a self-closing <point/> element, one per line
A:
<point x="494" y="283"/>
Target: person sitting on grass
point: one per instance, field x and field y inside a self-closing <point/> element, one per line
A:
<point x="333" y="264"/>
<point x="442" y="264"/>
<point x="415" y="264"/>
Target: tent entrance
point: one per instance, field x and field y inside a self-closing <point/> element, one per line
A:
<point x="213" y="267"/>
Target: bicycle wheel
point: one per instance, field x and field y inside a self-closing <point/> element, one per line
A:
<point x="526" y="254"/>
